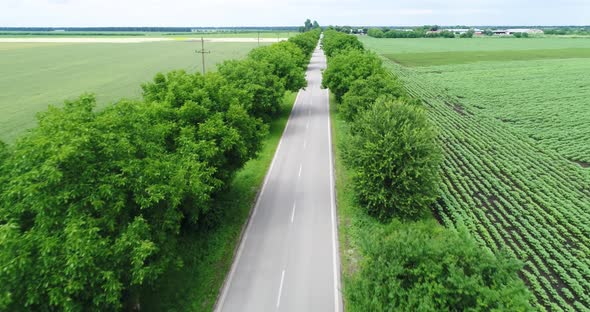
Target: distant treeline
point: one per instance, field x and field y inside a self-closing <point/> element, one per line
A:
<point x="148" y="29"/>
<point x="567" y="30"/>
<point x="46" y="33"/>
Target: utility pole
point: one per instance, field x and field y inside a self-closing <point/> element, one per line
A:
<point x="203" y="52"/>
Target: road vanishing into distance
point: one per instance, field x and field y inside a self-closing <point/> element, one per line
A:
<point x="288" y="256"/>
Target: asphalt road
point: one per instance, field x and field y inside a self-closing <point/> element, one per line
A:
<point x="288" y="257"/>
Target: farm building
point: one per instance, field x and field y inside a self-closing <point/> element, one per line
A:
<point x="511" y="31"/>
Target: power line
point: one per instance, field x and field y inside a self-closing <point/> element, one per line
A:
<point x="203" y="52"/>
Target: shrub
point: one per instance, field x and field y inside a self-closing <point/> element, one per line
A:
<point x="348" y="66"/>
<point x="394" y="156"/>
<point x="425" y="267"/>
<point x="364" y="92"/>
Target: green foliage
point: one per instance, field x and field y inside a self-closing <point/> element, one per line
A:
<point x="348" y="66"/>
<point x="112" y="190"/>
<point x="307" y="41"/>
<point x="468" y="34"/>
<point x="364" y="92"/>
<point x="375" y="33"/>
<point x="308" y="25"/>
<point x="424" y="267"/>
<point x="335" y="42"/>
<point x="3" y="154"/>
<point x="259" y="89"/>
<point x="287" y="62"/>
<point x="393" y="152"/>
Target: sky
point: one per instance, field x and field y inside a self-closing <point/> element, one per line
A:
<point x="199" y="13"/>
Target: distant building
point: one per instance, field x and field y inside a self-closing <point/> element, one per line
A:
<point x="508" y="32"/>
<point x="458" y="31"/>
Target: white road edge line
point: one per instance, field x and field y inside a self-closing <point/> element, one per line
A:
<point x="280" y="289"/>
<point x="333" y="208"/>
<point x="238" y="255"/>
<point x="293" y="212"/>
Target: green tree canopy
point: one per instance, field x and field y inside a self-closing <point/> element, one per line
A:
<point x="375" y="33"/>
<point x="335" y="42"/>
<point x="308" y="25"/>
<point x="348" y="66"/>
<point x="307" y="42"/>
<point x="364" y="92"/>
<point x="424" y="267"/>
<point x="395" y="160"/>
<point x="259" y="89"/>
<point x="287" y="62"/>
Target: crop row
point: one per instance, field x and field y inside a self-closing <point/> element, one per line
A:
<point x="513" y="195"/>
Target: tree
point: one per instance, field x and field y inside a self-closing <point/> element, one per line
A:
<point x="307" y="42"/>
<point x="315" y="25"/>
<point x="364" y="92"/>
<point x="348" y="66"/>
<point x="334" y="42"/>
<point x="468" y="34"/>
<point x="287" y="62"/>
<point x="424" y="267"/>
<point x="109" y="200"/>
<point x="395" y="159"/>
<point x="375" y="33"/>
<point x="308" y="25"/>
<point x="113" y="189"/>
<point x="488" y="32"/>
<point x="260" y="91"/>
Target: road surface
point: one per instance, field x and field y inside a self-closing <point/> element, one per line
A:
<point x="288" y="257"/>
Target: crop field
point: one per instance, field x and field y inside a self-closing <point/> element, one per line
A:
<point x="542" y="79"/>
<point x="35" y="75"/>
<point x="514" y="168"/>
<point x="224" y="34"/>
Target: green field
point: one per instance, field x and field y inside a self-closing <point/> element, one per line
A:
<point x="35" y="75"/>
<point x="515" y="140"/>
<point x="225" y="34"/>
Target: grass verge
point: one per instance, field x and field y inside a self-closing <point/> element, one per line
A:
<point x="353" y="224"/>
<point x="208" y="254"/>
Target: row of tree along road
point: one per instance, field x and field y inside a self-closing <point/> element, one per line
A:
<point x="396" y="256"/>
<point x="92" y="203"/>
